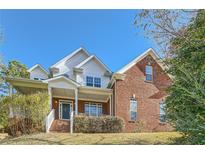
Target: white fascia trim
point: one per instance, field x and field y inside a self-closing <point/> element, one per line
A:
<point x="82" y="99"/>
<point x="95" y="91"/>
<point x="23" y="80"/>
<point x="70" y="56"/>
<point x="90" y="58"/>
<point x="61" y="77"/>
<point x="150" y="51"/>
<point x="35" y="66"/>
<point x="84" y="62"/>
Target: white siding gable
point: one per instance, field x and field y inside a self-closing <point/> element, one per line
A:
<point x="66" y="67"/>
<point x="37" y="72"/>
<point x="95" y="69"/>
<point x="61" y="83"/>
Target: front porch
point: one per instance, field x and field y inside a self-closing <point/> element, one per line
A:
<point x="65" y="96"/>
<point x="89" y="101"/>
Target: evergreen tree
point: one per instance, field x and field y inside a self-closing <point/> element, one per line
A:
<point x="186" y="101"/>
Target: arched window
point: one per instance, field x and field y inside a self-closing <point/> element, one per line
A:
<point x="133" y="109"/>
<point x="149" y="73"/>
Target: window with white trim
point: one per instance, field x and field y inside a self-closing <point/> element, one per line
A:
<point x="162" y="114"/>
<point x="93" y="81"/>
<point x="89" y="81"/>
<point x="97" y="82"/>
<point x="149" y="73"/>
<point x="93" y="109"/>
<point x="133" y="109"/>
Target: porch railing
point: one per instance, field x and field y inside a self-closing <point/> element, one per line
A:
<point x="49" y="119"/>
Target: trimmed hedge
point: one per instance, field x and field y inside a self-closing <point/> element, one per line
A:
<point x="103" y="124"/>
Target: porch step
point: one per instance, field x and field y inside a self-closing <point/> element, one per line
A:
<point x="60" y="126"/>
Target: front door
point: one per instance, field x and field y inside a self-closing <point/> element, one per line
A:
<point x="65" y="110"/>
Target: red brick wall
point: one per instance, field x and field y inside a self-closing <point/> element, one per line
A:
<point x="148" y="96"/>
<point x="113" y="100"/>
<point x="81" y="104"/>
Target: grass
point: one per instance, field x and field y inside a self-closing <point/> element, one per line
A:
<point x="121" y="138"/>
<point x="3" y="135"/>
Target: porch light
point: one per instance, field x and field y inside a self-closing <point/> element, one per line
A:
<point x="56" y="102"/>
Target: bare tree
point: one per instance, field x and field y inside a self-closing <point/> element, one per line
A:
<point x="164" y="25"/>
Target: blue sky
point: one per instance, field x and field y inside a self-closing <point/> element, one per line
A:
<point x="46" y="36"/>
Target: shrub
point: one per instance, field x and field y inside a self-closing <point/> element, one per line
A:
<point x="103" y="124"/>
<point x="141" y="126"/>
<point x="28" y="113"/>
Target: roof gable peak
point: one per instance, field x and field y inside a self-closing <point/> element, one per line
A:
<point x="69" y="56"/>
<point x="90" y="58"/>
<point x="149" y="51"/>
<point x="35" y="66"/>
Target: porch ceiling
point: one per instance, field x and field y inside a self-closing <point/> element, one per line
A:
<point x="27" y="86"/>
<point x="88" y="94"/>
<point x="59" y="92"/>
<point x="94" y="97"/>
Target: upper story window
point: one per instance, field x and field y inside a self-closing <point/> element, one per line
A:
<point x="97" y="82"/>
<point x="93" y="109"/>
<point x="133" y="109"/>
<point x="89" y="81"/>
<point x="93" y="81"/>
<point x="162" y="115"/>
<point x="149" y="73"/>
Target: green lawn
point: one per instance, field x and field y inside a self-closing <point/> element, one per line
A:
<point x="121" y="138"/>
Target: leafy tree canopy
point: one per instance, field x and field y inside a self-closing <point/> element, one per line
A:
<point x="17" y="69"/>
<point x="14" y="69"/>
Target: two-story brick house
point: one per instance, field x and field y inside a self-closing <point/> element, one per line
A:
<point x="80" y="82"/>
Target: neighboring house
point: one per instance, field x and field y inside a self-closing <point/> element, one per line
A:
<point x="81" y="83"/>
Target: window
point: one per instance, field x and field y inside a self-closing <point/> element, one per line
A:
<point x="93" y="109"/>
<point x="97" y="82"/>
<point x="89" y="81"/>
<point x="93" y="81"/>
<point x="38" y="78"/>
<point x="133" y="109"/>
<point x="148" y="72"/>
<point x="162" y="115"/>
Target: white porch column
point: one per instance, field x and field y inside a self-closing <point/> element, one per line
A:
<point x="10" y="107"/>
<point x="110" y="105"/>
<point x="50" y="97"/>
<point x="76" y="101"/>
<point x="10" y="90"/>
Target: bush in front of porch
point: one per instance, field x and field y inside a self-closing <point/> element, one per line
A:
<point x="102" y="124"/>
<point x="22" y="114"/>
